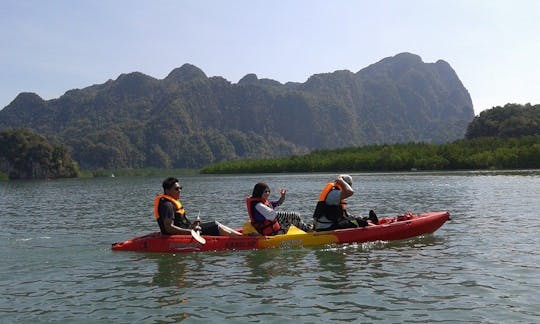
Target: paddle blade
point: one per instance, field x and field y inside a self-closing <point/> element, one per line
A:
<point x="198" y="237"/>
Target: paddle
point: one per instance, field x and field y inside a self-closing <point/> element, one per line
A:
<point x="195" y="234"/>
<point x="198" y="237"/>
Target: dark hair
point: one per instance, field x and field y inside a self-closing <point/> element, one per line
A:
<point x="259" y="189"/>
<point x="168" y="183"/>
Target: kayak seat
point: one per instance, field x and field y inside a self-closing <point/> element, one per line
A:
<point x="248" y="229"/>
<point x="373" y="217"/>
<point x="294" y="230"/>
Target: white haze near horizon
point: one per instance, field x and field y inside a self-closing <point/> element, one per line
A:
<point x="50" y="47"/>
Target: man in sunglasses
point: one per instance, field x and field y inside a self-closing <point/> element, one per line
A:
<point x="171" y="216"/>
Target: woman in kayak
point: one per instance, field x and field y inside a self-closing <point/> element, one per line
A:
<point x="263" y="216"/>
<point x="331" y="211"/>
<point x="171" y="216"/>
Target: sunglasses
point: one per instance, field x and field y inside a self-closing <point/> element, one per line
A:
<point x="177" y="188"/>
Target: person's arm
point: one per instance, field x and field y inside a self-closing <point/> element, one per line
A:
<point x="173" y="229"/>
<point x="167" y="213"/>
<point x="266" y="211"/>
<point x="346" y="190"/>
<point x="282" y="192"/>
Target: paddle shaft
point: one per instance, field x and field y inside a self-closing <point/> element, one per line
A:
<point x="196" y="233"/>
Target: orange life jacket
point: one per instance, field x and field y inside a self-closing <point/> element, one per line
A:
<point x="333" y="214"/>
<point x="180" y="218"/>
<point x="326" y="190"/>
<point x="177" y="204"/>
<point x="262" y="225"/>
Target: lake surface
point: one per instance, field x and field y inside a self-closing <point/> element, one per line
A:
<point x="482" y="266"/>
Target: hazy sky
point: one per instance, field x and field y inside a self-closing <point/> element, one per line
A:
<point x="50" y="47"/>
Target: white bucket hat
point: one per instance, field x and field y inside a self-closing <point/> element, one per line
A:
<point x="347" y="178"/>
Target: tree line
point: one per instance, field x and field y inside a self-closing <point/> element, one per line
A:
<point x="480" y="153"/>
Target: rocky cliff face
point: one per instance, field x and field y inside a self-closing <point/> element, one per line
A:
<point x="189" y="120"/>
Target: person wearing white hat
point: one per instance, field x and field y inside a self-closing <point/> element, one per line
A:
<point x="331" y="211"/>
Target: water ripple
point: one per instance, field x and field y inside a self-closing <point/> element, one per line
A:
<point x="480" y="267"/>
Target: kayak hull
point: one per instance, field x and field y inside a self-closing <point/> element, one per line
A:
<point x="389" y="229"/>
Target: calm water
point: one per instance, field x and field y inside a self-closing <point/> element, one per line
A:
<point x="482" y="266"/>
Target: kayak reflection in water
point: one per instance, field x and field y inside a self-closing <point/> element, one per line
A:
<point x="263" y="216"/>
<point x="171" y="216"/>
<point x="331" y="211"/>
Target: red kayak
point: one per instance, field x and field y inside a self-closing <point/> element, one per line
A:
<point x="389" y="229"/>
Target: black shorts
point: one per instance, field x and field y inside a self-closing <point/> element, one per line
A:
<point x="210" y="228"/>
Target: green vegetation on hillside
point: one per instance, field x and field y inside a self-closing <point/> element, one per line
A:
<point x="481" y="153"/>
<point x="499" y="138"/>
<point x="189" y="120"/>
<point x="512" y="120"/>
<point x="27" y="155"/>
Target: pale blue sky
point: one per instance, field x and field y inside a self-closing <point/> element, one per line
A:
<point x="50" y="47"/>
